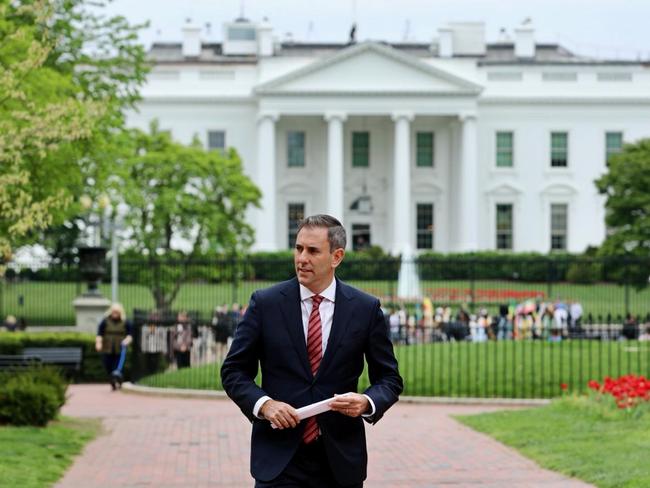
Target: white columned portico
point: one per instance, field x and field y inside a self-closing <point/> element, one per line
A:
<point x="266" y="222"/>
<point x="335" y="206"/>
<point x="402" y="184"/>
<point x="468" y="185"/>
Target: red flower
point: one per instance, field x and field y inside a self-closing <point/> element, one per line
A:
<point x="564" y="386"/>
<point x="627" y="390"/>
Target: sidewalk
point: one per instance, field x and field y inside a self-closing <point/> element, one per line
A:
<point x="173" y="442"/>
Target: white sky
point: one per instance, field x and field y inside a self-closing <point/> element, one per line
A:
<point x="600" y="28"/>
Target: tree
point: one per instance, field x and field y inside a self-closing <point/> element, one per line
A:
<point x="42" y="117"/>
<point x="68" y="76"/>
<point x="184" y="202"/>
<point x="625" y="186"/>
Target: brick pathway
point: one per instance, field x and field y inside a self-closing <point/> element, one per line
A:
<point x="174" y="442"/>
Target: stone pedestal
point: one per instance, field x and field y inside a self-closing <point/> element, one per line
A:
<point x="89" y="311"/>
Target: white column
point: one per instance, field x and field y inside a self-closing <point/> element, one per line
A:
<point x="402" y="225"/>
<point x="265" y="238"/>
<point x="468" y="186"/>
<point x="335" y="206"/>
<point x="454" y="195"/>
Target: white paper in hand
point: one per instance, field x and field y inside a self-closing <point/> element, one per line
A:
<point x="313" y="409"/>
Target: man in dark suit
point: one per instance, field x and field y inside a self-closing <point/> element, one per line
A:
<point x="310" y="335"/>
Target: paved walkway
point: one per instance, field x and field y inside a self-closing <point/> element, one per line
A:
<point x="174" y="442"/>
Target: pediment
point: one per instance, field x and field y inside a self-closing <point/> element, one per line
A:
<point x="293" y="188"/>
<point x="504" y="189"/>
<point x="369" y="68"/>
<point x="425" y="188"/>
<point x="559" y="189"/>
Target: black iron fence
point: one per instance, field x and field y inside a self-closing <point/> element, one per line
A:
<point x="471" y="327"/>
<point x="449" y="359"/>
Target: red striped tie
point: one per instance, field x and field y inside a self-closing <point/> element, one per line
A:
<point x="315" y="354"/>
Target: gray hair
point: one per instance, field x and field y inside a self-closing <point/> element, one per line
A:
<point x="335" y="230"/>
<point x="116" y="307"/>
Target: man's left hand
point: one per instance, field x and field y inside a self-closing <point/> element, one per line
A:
<point x="350" y="404"/>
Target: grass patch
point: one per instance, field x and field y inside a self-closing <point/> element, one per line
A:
<point x="32" y="457"/>
<point x="579" y="437"/>
<point x="204" y="377"/>
<point x="510" y="369"/>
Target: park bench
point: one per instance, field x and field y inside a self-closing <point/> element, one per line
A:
<point x="69" y="357"/>
<point x="17" y="361"/>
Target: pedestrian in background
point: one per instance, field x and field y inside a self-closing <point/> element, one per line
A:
<point x="182" y="340"/>
<point x="113" y="333"/>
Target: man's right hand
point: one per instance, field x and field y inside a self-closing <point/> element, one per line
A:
<point x="280" y="414"/>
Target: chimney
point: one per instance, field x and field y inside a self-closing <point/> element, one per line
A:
<point x="525" y="40"/>
<point x="445" y="42"/>
<point x="462" y="39"/>
<point x="191" y="40"/>
<point x="265" y="42"/>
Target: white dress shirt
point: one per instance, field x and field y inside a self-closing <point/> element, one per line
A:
<point x="326" y="310"/>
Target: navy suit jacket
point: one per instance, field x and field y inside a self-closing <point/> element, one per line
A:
<point x="271" y="334"/>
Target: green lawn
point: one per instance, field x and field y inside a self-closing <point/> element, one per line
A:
<point x="32" y="457"/>
<point x="508" y="369"/>
<point x="578" y="437"/>
<point x="204" y="377"/>
<point x="49" y="303"/>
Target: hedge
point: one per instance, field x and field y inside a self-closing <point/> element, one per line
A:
<point x="531" y="267"/>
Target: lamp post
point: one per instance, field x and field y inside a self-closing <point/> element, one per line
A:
<point x="116" y="224"/>
<point x="91" y="305"/>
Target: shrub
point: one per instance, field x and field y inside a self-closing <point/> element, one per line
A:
<point x="200" y="269"/>
<point x="271" y="266"/>
<point x="584" y="272"/>
<point x="370" y="264"/>
<point x="48" y="376"/>
<point x="43" y="271"/>
<point x="33" y="396"/>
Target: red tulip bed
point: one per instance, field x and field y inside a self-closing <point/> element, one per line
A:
<point x="628" y="390"/>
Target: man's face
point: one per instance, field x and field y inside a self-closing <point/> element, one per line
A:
<point x="315" y="263"/>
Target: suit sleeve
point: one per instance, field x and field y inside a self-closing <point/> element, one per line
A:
<point x="385" y="381"/>
<point x="240" y="367"/>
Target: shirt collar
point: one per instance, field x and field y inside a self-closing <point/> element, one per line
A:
<point x="328" y="293"/>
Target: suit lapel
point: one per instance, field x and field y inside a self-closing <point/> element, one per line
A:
<point x="293" y="320"/>
<point x="342" y="315"/>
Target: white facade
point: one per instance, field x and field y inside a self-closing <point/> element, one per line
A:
<point x="460" y="93"/>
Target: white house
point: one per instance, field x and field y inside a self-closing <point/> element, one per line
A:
<point x="454" y="145"/>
